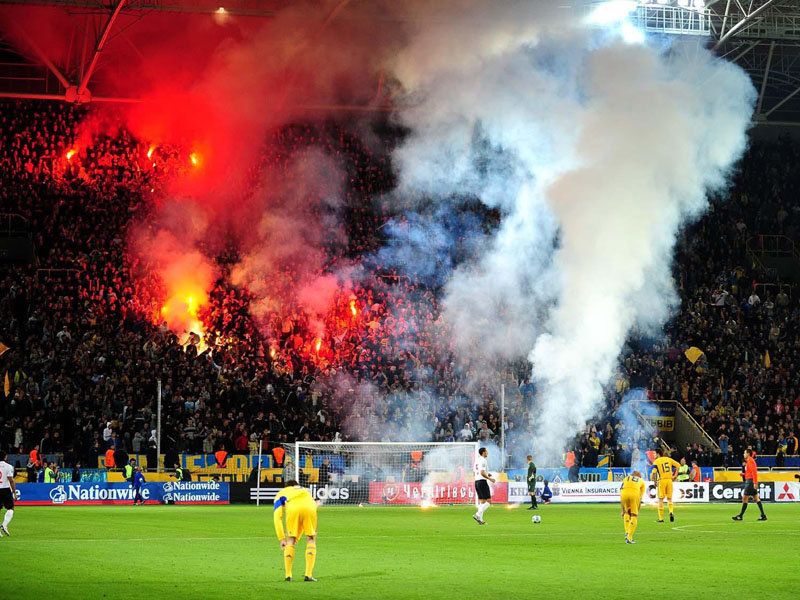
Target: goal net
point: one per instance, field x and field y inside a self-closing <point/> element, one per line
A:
<point x="414" y="473"/>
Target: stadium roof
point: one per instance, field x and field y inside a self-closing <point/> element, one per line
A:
<point x="762" y="36"/>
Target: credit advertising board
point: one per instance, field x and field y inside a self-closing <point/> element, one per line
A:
<point x="732" y="492"/>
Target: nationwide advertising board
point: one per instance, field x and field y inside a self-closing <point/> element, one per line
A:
<point x="80" y="494"/>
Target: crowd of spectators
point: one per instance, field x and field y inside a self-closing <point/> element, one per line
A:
<point x="86" y="353"/>
<point x="745" y="389"/>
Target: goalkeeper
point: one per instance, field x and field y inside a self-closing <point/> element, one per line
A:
<point x="532" y="483"/>
<point x="297" y="508"/>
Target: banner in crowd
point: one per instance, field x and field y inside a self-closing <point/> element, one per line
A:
<point x="561" y="474"/>
<point x="80" y="494"/>
<point x="770" y="460"/>
<point x="660" y="414"/>
<point x="439" y="493"/>
<point x="735" y="475"/>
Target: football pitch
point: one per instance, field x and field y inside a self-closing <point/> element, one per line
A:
<point x="231" y="552"/>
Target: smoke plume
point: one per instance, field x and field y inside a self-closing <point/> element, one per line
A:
<point x="591" y="152"/>
<point x="596" y="151"/>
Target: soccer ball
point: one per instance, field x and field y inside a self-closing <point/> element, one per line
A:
<point x="536" y="519"/>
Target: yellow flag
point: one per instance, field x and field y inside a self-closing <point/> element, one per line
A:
<point x="693" y="354"/>
<point x="767" y="360"/>
<point x="7" y="385"/>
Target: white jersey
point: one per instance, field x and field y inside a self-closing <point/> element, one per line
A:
<point x="6" y="474"/>
<point x="481" y="465"/>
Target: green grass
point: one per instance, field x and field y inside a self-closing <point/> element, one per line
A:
<point x="231" y="552"/>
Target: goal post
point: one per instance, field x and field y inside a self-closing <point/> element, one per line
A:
<point x="411" y="473"/>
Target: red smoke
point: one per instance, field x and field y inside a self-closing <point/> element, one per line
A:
<point x="213" y="92"/>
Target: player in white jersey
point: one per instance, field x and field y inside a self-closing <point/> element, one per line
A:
<point x="482" y="479"/>
<point x="8" y="489"/>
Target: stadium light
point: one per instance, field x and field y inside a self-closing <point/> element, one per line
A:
<point x="617" y="14"/>
<point x="611" y="12"/>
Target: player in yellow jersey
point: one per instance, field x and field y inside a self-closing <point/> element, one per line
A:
<point x="630" y="498"/>
<point x="295" y="505"/>
<point x="663" y="473"/>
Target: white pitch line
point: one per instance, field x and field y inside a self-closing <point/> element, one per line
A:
<point x="683" y="528"/>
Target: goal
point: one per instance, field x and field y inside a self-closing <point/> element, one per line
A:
<point x="411" y="473"/>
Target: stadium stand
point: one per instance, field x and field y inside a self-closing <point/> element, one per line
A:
<point x="85" y="354"/>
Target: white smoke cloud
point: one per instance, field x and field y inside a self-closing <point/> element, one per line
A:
<point x="598" y="151"/>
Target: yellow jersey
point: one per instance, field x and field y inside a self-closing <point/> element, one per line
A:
<point x="297" y="504"/>
<point x="663" y="466"/>
<point x="632" y="485"/>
